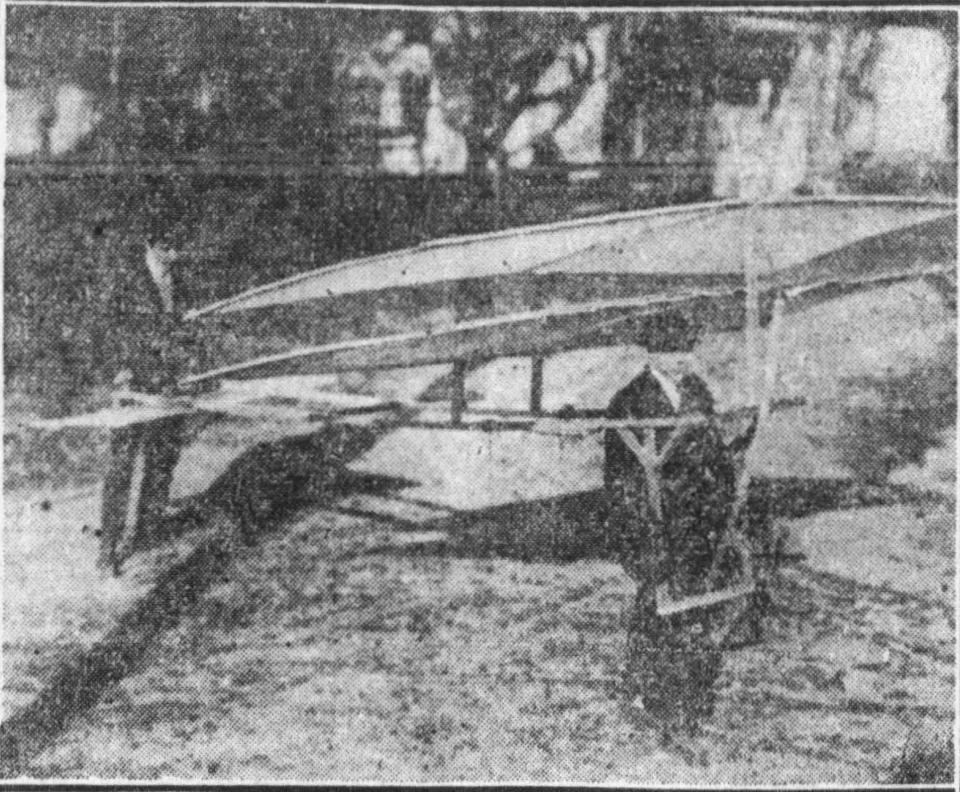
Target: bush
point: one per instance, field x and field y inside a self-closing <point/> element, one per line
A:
<point x="913" y="173"/>
<point x="898" y="417"/>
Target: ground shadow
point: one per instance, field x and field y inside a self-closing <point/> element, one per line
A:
<point x="271" y="480"/>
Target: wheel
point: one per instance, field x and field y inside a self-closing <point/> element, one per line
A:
<point x="628" y="528"/>
<point x="672" y="665"/>
<point x="673" y="662"/>
<point x="698" y="488"/>
<point x="684" y="542"/>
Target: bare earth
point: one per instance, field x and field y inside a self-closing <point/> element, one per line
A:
<point x="334" y="650"/>
<point x="351" y="647"/>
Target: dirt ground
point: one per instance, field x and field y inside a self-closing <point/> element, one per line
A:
<point x="347" y="646"/>
<point x="336" y="650"/>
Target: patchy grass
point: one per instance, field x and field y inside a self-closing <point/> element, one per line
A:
<point x="323" y="655"/>
<point x="44" y="460"/>
<point x="925" y="760"/>
<point x="325" y="652"/>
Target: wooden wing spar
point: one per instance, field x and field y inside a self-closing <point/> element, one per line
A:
<point x="806" y="251"/>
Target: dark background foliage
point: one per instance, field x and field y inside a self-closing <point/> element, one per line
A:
<point x="273" y="178"/>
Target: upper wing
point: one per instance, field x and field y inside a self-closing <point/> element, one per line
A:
<point x="664" y="245"/>
<point x="866" y="250"/>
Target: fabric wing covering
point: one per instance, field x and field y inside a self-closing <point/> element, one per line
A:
<point x="810" y="249"/>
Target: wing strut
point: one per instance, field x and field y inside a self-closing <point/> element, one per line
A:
<point x="536" y="385"/>
<point x="751" y="303"/>
<point x="766" y="400"/>
<point x="458" y="392"/>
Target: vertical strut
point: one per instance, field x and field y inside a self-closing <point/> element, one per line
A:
<point x="536" y="385"/>
<point x="771" y="361"/>
<point x="751" y="305"/>
<point x="458" y="392"/>
<point x="772" y="357"/>
<point x="745" y="472"/>
<point x="115" y="508"/>
<point x="135" y="492"/>
<point x="752" y="336"/>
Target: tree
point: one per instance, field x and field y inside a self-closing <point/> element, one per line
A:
<point x="491" y="64"/>
<point x="666" y="64"/>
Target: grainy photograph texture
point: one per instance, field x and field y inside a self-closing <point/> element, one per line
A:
<point x="410" y="395"/>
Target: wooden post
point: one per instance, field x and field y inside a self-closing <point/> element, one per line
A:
<point x="536" y="385"/>
<point x="458" y="392"/>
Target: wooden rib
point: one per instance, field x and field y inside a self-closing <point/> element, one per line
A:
<point x="555" y="425"/>
<point x="751" y="303"/>
<point x="138" y="473"/>
<point x="584" y="426"/>
<point x="672" y="441"/>
<point x="810" y="290"/>
<point x="772" y="358"/>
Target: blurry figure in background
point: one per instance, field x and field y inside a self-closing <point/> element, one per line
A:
<point x="878" y="100"/>
<point x="143" y="455"/>
<point x="761" y="149"/>
<point x="444" y="148"/>
<point x="522" y="98"/>
<point x="160" y="262"/>
<point x="740" y="134"/>
<point x="786" y="141"/>
<point x="564" y="103"/>
<point x="167" y="349"/>
<point x="580" y="136"/>
<point x="403" y="68"/>
<point x="896" y="111"/>
<point x="51" y="120"/>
